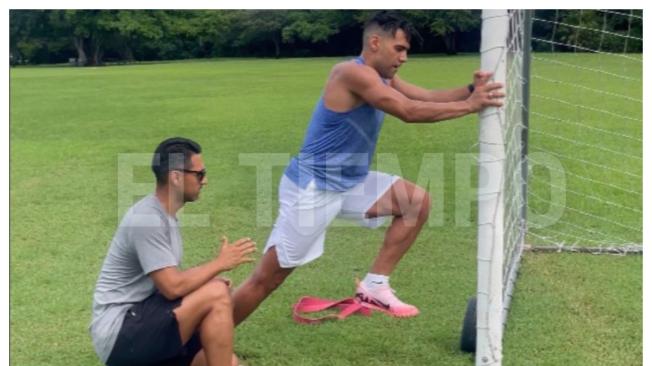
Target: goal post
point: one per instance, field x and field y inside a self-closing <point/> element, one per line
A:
<point x="491" y="205"/>
<point x="502" y="178"/>
<point x="578" y="186"/>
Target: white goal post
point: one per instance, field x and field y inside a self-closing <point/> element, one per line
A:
<point x="502" y="176"/>
<point x="584" y="162"/>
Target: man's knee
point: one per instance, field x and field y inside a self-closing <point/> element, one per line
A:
<point x="419" y="204"/>
<point x="216" y="293"/>
<point x="426" y="203"/>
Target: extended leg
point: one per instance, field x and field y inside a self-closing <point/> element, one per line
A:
<point x="267" y="277"/>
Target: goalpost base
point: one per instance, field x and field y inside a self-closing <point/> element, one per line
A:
<point x="467" y="340"/>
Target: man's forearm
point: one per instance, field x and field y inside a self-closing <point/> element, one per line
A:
<point x="435" y="112"/>
<point x="187" y="281"/>
<point x="449" y="95"/>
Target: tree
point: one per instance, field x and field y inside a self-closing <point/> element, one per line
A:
<point x="47" y="36"/>
<point x="200" y="33"/>
<point x="448" y="24"/>
<point x="259" y="26"/>
<point x="126" y="30"/>
<point x="31" y="39"/>
<point x="309" y="25"/>
<point x="82" y="27"/>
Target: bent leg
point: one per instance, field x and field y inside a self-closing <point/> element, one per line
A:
<point x="267" y="277"/>
<point x="209" y="310"/>
<point x="200" y="360"/>
<point x="410" y="206"/>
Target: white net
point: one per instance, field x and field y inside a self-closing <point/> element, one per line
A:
<point x="560" y="165"/>
<point x="515" y="131"/>
<point x="585" y="187"/>
<point x="502" y="188"/>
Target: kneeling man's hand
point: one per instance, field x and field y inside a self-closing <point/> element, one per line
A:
<point x="233" y="255"/>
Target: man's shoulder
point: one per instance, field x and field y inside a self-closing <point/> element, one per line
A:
<point x="145" y="213"/>
<point x="351" y="67"/>
<point x="351" y="72"/>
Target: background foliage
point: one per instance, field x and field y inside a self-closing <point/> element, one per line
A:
<point x="94" y="37"/>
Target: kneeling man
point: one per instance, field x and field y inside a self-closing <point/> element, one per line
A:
<point x="146" y="310"/>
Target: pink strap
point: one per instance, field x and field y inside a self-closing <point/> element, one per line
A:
<point x="309" y="304"/>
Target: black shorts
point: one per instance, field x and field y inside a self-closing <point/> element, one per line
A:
<point x="150" y="336"/>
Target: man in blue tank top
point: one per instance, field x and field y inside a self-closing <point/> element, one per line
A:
<point x="330" y="177"/>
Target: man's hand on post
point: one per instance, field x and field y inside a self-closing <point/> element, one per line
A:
<point x="481" y="77"/>
<point x="486" y="93"/>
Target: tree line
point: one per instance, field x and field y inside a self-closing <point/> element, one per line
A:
<point x="95" y="37"/>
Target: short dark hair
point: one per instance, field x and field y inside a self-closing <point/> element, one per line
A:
<point x="390" y="22"/>
<point x="173" y="153"/>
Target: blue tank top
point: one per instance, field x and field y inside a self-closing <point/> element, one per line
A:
<point x="338" y="147"/>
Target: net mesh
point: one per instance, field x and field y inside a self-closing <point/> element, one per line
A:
<point x="513" y="127"/>
<point x="585" y="187"/>
<point x="569" y="151"/>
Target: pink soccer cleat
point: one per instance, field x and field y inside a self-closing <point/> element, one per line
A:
<point x="383" y="299"/>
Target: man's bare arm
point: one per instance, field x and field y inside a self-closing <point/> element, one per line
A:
<point x="174" y="283"/>
<point x="364" y="82"/>
<point x="429" y="95"/>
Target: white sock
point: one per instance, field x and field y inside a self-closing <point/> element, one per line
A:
<point x="372" y="281"/>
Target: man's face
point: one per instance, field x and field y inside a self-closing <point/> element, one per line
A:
<point x="194" y="178"/>
<point x="393" y="53"/>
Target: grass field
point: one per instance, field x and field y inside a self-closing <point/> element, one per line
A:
<point x="69" y="126"/>
<point x="586" y="114"/>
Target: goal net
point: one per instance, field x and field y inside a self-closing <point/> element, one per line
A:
<point x="560" y="164"/>
<point x="502" y="176"/>
<point x="585" y="186"/>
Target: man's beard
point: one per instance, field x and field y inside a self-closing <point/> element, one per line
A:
<point x="190" y="197"/>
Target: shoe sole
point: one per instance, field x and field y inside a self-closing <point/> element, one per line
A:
<point x="381" y="309"/>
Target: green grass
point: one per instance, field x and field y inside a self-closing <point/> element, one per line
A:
<point x="576" y="310"/>
<point x="601" y="203"/>
<point x="69" y="127"/>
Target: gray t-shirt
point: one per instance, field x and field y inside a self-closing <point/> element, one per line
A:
<point x="146" y="240"/>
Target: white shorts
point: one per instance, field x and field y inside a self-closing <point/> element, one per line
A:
<point x="305" y="214"/>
